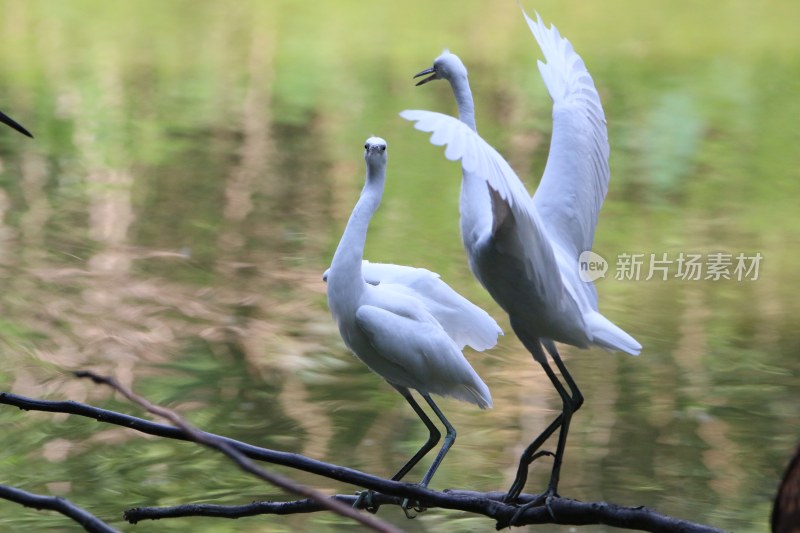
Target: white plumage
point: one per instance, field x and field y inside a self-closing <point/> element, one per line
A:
<point x="464" y="322"/>
<point x="405" y="323"/>
<point x="524" y="249"/>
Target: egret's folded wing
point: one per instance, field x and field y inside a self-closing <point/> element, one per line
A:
<point x="529" y="241"/>
<point x="420" y="355"/>
<point x="575" y="180"/>
<point x="464" y="322"/>
<point x="375" y="273"/>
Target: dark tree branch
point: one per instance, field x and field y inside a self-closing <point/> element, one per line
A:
<point x="52" y="503"/>
<point x="137" y="514"/>
<point x="293" y="460"/>
<point x="566" y="511"/>
<point x="219" y="444"/>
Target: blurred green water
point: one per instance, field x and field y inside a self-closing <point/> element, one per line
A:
<point x="194" y="165"/>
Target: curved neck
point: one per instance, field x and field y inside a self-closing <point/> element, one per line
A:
<point x="463" y="94"/>
<point x="475" y="218"/>
<point x="346" y="264"/>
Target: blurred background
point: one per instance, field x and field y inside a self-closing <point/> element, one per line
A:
<point x="195" y="164"/>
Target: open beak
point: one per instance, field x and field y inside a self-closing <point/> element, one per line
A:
<point x="426" y="80"/>
<point x="5" y="119"/>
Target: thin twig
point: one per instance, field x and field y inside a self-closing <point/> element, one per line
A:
<point x="240" y="459"/>
<point x="53" y="503"/>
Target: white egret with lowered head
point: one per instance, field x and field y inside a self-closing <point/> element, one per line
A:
<point x="8" y="121"/>
<point x="525" y="250"/>
<point x="404" y="323"/>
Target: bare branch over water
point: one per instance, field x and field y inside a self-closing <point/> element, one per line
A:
<point x="559" y="511"/>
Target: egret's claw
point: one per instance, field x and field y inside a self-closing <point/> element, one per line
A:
<point x="364" y="501"/>
<point x="511" y="496"/>
<point x="408" y="507"/>
<point x="543" y="499"/>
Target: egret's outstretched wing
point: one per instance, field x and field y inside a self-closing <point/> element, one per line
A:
<point x="529" y="242"/>
<point x="464" y="322"/>
<point x="576" y="177"/>
<point x="476" y="155"/>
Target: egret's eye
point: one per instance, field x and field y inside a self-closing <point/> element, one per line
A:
<point x="366" y="147"/>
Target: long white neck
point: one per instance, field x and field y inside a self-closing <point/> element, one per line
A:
<point x="475" y="204"/>
<point x="345" y="279"/>
<point x="463" y="94"/>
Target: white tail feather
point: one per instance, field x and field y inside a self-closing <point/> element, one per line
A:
<point x="607" y="335"/>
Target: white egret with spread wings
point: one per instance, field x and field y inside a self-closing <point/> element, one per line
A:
<point x="524" y="250"/>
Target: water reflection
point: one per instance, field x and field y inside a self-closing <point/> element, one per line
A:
<point x="187" y="186"/>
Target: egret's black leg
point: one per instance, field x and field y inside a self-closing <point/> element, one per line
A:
<point x="364" y="500"/>
<point x="8" y="121"/>
<point x="534" y="346"/>
<point x="530" y="452"/>
<point x="528" y="456"/>
<point x="571" y="403"/>
<point x="433" y="436"/>
<point x="449" y="439"/>
<point x="570" y="407"/>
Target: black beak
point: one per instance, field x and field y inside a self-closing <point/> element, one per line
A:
<point x="5" y="119"/>
<point x="426" y="80"/>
